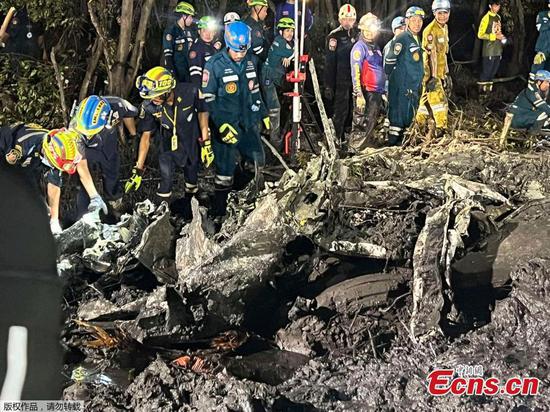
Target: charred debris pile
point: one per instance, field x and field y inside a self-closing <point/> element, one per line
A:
<point x="339" y="287"/>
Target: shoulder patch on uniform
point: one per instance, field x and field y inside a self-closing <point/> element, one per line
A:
<point x="142" y="112"/>
<point x="356" y="55"/>
<point x="169" y="37"/>
<point x="397" y="48"/>
<point x="192" y="54"/>
<point x="205" y="77"/>
<point x="218" y="45"/>
<point x="430" y="37"/>
<point x="332" y="43"/>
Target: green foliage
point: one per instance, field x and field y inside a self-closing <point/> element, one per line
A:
<point x="53" y="14"/>
<point x="28" y="93"/>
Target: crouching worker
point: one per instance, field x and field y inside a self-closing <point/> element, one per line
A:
<point x="530" y="110"/>
<point x="97" y="119"/>
<point x="273" y="73"/>
<point x="41" y="152"/>
<point x="231" y="90"/>
<point x="178" y="116"/>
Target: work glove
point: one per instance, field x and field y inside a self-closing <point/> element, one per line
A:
<point x="540" y="58"/>
<point x="97" y="203"/>
<point x="228" y="134"/>
<point x="431" y="85"/>
<point x="207" y="155"/>
<point x="134" y="182"/>
<point x="55" y="227"/>
<point x="360" y="104"/>
<point x="267" y="123"/>
<point x="329" y="94"/>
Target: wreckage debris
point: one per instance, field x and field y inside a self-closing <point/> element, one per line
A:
<point x="338" y="288"/>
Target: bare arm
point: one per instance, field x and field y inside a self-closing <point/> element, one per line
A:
<point x="130" y="124"/>
<point x="144" y="144"/>
<point x="54" y="194"/>
<point x="86" y="178"/>
<point x="203" y="124"/>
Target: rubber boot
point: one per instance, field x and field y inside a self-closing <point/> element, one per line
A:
<point x="220" y="201"/>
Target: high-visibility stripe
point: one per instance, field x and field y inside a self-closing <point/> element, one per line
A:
<point x="16" y="370"/>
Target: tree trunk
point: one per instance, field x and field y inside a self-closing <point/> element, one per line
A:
<point x="97" y="51"/>
<point x="477" y="45"/>
<point x="126" y="19"/>
<point x="517" y="64"/>
<point x="137" y="51"/>
<point x="330" y="10"/>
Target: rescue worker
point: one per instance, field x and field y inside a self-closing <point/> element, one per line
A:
<point x="177" y="113"/>
<point x="24" y="37"/>
<point x="97" y="120"/>
<point x="177" y="41"/>
<point x="255" y="20"/>
<point x="202" y="49"/>
<point x="338" y="88"/>
<point x="286" y="9"/>
<point x="231" y="90"/>
<point x="490" y="31"/>
<point x="369" y="82"/>
<point x="273" y="72"/>
<point x="230" y="17"/>
<point x="405" y="70"/>
<point x="435" y="41"/>
<point x="42" y="152"/>
<point x="542" y="46"/>
<point x="398" y="26"/>
<point x="530" y="109"/>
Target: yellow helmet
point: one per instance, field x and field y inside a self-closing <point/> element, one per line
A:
<point x="156" y="82"/>
<point x="60" y="148"/>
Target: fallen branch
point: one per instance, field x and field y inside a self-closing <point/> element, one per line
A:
<point x="278" y="156"/>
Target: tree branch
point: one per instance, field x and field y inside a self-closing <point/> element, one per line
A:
<point x="60" y="84"/>
<point x="97" y="51"/>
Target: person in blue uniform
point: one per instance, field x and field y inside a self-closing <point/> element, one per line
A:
<point x="272" y="75"/>
<point x="530" y="109"/>
<point x="177" y="115"/>
<point x="231" y="89"/>
<point x="203" y="48"/>
<point x="255" y="20"/>
<point x="177" y="41"/>
<point x="405" y="69"/>
<point x="542" y="46"/>
<point x="97" y="120"/>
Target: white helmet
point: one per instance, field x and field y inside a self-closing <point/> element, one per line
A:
<point x="231" y="17"/>
<point x="438" y="5"/>
<point x="347" y="11"/>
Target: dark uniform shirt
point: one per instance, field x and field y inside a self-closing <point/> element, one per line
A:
<point x="404" y="64"/>
<point x="23" y="36"/>
<point x="26" y="140"/>
<point x="258" y="35"/>
<point x="543" y="26"/>
<point x="529" y="108"/>
<point x="199" y="54"/>
<point x="337" y="60"/>
<point x="232" y="90"/>
<point x="177" y="123"/>
<point x="176" y="43"/>
<point x="273" y="70"/>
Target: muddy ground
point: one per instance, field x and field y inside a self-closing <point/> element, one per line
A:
<point x="338" y="287"/>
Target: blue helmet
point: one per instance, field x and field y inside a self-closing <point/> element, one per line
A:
<point x="415" y="11"/>
<point x="399" y="21"/>
<point x="237" y="36"/>
<point x="91" y="116"/>
<point x="542" y="75"/>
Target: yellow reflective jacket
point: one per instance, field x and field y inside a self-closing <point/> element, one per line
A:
<point x="435" y="40"/>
